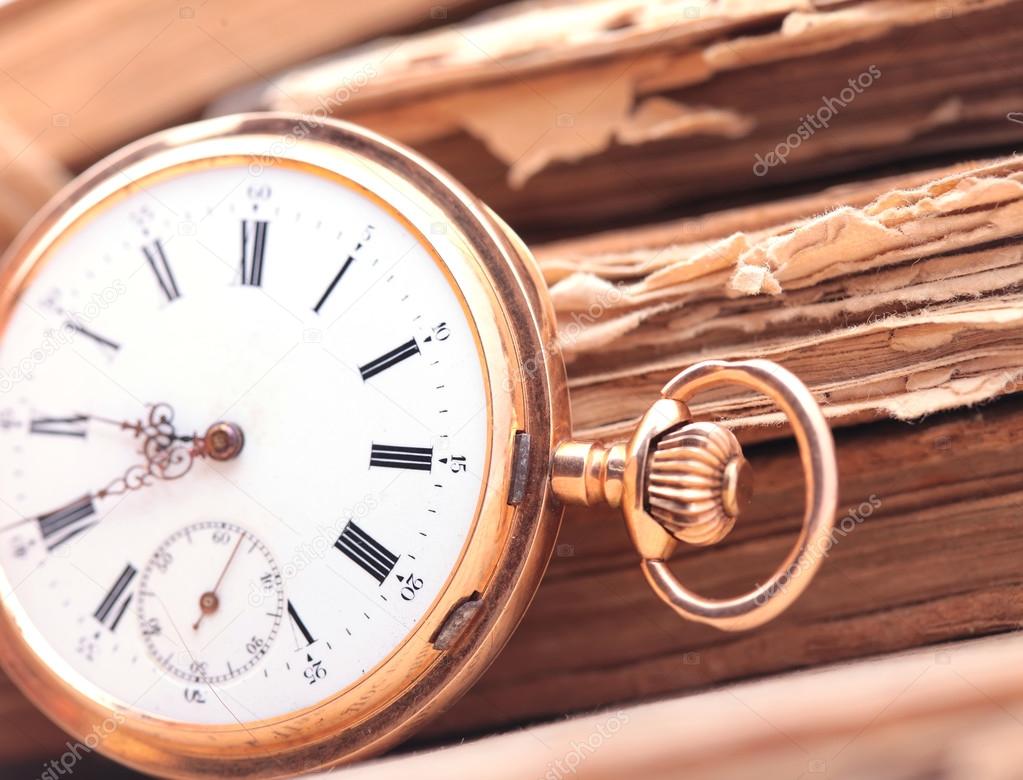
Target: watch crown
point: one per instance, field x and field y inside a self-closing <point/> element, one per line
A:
<point x="697" y="482"/>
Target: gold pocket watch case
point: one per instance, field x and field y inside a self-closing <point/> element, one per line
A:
<point x="675" y="480"/>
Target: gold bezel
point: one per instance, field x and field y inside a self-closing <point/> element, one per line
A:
<point x="509" y="547"/>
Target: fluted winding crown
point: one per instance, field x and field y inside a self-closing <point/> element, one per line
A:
<point x="697" y="481"/>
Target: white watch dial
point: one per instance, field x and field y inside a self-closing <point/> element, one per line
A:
<point x="326" y="332"/>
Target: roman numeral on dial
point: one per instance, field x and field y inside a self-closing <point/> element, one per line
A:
<point x="84" y="331"/>
<point x="115" y="603"/>
<point x="253" y="251"/>
<point x="389" y="456"/>
<point x="67" y="522"/>
<point x="301" y="626"/>
<point x="392" y="358"/>
<point x="334" y="282"/>
<point x="59" y="426"/>
<point x="157" y="260"/>
<point x="366" y="551"/>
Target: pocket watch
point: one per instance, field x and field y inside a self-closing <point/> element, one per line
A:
<point x="286" y="442"/>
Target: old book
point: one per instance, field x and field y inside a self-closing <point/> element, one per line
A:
<point x="81" y="79"/>
<point x="28" y="177"/>
<point x="568" y="116"/>
<point x="68" y="111"/>
<point x="944" y="711"/>
<point x="897" y="298"/>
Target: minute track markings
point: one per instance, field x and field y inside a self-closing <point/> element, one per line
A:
<point x="375" y="261"/>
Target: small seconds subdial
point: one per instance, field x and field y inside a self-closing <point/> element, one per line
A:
<point x="196" y="607"/>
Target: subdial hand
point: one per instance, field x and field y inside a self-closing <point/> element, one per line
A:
<point x="209" y="601"/>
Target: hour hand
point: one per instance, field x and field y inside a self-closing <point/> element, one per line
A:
<point x="167" y="457"/>
<point x="157" y="430"/>
<point x="60" y="525"/>
<point x="170" y="457"/>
